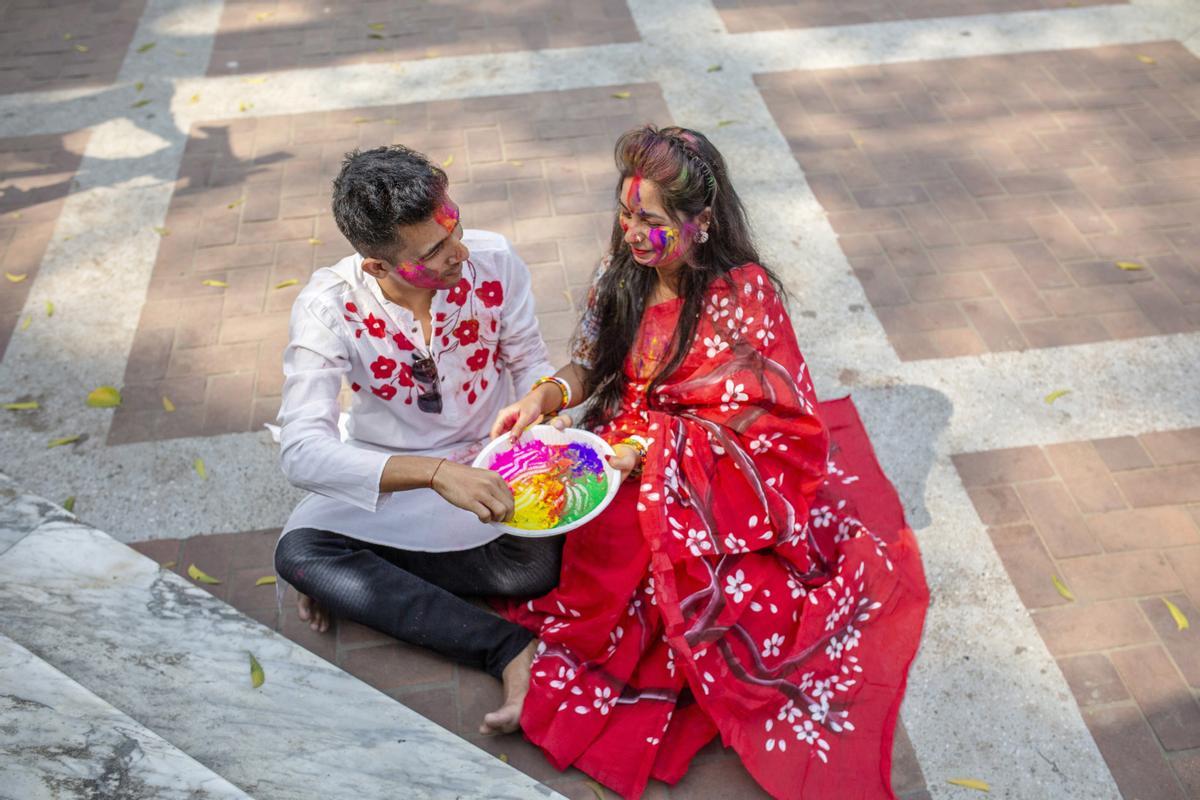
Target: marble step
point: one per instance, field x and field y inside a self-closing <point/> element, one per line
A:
<point x="58" y="741"/>
<point x="176" y="660"/>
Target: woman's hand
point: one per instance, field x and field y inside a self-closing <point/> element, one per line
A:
<point x="480" y="491"/>
<point x="529" y="410"/>
<point x="624" y="459"/>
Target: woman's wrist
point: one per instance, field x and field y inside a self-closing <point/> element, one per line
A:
<point x="555" y="394"/>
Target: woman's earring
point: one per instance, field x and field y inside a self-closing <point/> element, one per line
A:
<point x="702" y="237"/>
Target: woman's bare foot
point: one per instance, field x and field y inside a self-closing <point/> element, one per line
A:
<point x="507" y="718"/>
<point x="313" y="613"/>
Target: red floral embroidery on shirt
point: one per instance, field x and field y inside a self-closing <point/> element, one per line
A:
<point x="478" y="359"/>
<point x="383" y="367"/>
<point x="405" y="376"/>
<point x="375" y="326"/>
<point x="354" y="387"/>
<point x="467" y="331"/>
<point x="491" y="293"/>
<point x="353" y="309"/>
<point x="402" y="342"/>
<point x="458" y="294"/>
<point x="387" y="391"/>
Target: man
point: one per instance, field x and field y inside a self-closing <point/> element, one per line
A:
<point x="432" y="327"/>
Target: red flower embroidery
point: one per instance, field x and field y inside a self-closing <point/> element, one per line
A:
<point x="353" y="309"/>
<point x="490" y="293"/>
<point x="458" y="294"/>
<point x="402" y="342"/>
<point x="467" y="331"/>
<point x="375" y="326"/>
<point x="354" y="387"/>
<point x="478" y="359"/>
<point x="383" y="367"/>
<point x="387" y="391"/>
<point x="404" y="376"/>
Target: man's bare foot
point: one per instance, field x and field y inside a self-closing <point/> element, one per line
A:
<point x="312" y="612"/>
<point x="507" y="718"/>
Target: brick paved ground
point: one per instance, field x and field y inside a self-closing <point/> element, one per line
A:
<point x="1118" y="522"/>
<point x="255" y="36"/>
<point x="35" y="175"/>
<point x="251" y="208"/>
<point x="55" y="45"/>
<point x="984" y="203"/>
<point x="741" y="16"/>
<point x="453" y="697"/>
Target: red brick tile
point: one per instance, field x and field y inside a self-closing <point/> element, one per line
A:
<point x="439" y="706"/>
<point x="1087" y="627"/>
<point x="997" y="505"/>
<point x="994" y="325"/>
<point x="1029" y="566"/>
<point x="320" y="644"/>
<point x="1086" y="477"/>
<point x="1186" y="563"/>
<point x="1161" y="694"/>
<point x="907" y="775"/>
<point x="1132" y="753"/>
<point x="1173" y="447"/>
<point x="1122" y="453"/>
<point x="1011" y="465"/>
<point x="1143" y="529"/>
<point x="162" y="551"/>
<point x="1183" y="645"/>
<point x="1113" y="575"/>
<point x="1161" y="486"/>
<point x="395" y="666"/>
<point x="1093" y="679"/>
<point x="1057" y="519"/>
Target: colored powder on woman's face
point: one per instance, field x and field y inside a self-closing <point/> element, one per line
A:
<point x="552" y="484"/>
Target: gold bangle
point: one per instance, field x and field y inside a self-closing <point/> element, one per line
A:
<point x="562" y="385"/>
<point x="637" y="443"/>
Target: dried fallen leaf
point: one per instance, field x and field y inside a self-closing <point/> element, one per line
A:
<point x="721" y="123"/>
<point x="256" y="672"/>
<point x="104" y="397"/>
<point x="374" y="35"/>
<point x="431" y="53"/>
<point x="970" y="783"/>
<point x="314" y="241"/>
<point x="1130" y="266"/>
<point x="197" y="574"/>
<point x="377" y="26"/>
<point x="147" y="47"/>
<point x="81" y="48"/>
<point x="263" y="16"/>
<point x="168" y="565"/>
<point x="201" y="470"/>
<point x="162" y="231"/>
<point x="265" y="580"/>
<point x="715" y="68"/>
<point x="287" y="283"/>
<point x="1146" y="60"/>
<point x="25" y="323"/>
<point x="137" y="87"/>
<point x="1057" y="393"/>
<point x="516" y="163"/>
<point x="621" y="95"/>
<point x="49" y="309"/>
<point x="244" y="106"/>
<point x="1181" y="621"/>
<point x="257" y="80"/>
<point x="194" y="98"/>
<point x="236" y="203"/>
<point x="597" y="790"/>
<point x="503" y="757"/>
<point x="16" y="277"/>
<point x="30" y="405"/>
<point x="218" y="284"/>
<point x="1061" y="588"/>
<point x="69" y="504"/>
<point x="145" y="101"/>
<point x="64" y="440"/>
<point x="68" y="37"/>
<point x="362" y="120"/>
<point x="168" y="406"/>
<point x="449" y="160"/>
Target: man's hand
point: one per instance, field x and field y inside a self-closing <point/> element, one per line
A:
<point x="624" y="459"/>
<point x="529" y="410"/>
<point x="480" y="491"/>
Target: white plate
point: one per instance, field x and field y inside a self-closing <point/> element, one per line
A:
<point x="551" y="435"/>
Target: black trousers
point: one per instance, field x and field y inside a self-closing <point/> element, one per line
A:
<point x="417" y="597"/>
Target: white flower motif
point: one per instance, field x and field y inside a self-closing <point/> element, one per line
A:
<point x="736" y="586"/>
<point x="733" y="543"/>
<point x="771" y="645"/>
<point x="698" y="542"/>
<point x="797" y="588"/>
<point x="604" y="699"/>
<point x="715" y="345"/>
<point x="734" y="394"/>
<point x="821" y="516"/>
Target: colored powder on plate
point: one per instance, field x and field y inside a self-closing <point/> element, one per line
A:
<point x="552" y="484"/>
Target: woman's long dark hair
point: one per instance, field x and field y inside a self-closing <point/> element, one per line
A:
<point x="690" y="175"/>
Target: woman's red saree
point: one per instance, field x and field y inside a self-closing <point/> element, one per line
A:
<point x="758" y="581"/>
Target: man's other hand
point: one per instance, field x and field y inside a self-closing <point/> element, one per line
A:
<point x="480" y="491"/>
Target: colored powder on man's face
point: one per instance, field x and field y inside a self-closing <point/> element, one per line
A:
<point x="552" y="485"/>
<point x="447" y="216"/>
<point x="419" y="275"/>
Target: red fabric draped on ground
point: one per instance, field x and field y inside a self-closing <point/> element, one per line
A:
<point x="758" y="582"/>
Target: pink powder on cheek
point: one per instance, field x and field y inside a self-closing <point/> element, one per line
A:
<point x="447" y="216"/>
<point x="416" y="273"/>
<point x="669" y="243"/>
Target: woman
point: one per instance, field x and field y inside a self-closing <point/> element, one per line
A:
<point x="735" y="586"/>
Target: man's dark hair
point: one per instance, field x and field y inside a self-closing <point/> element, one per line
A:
<point x="380" y="189"/>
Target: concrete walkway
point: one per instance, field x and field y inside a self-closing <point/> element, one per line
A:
<point x="987" y="212"/>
